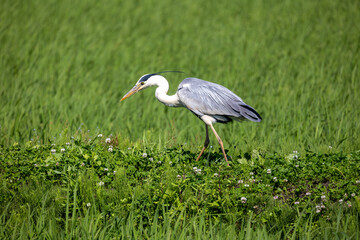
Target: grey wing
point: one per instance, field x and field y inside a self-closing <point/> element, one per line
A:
<point x="207" y="98"/>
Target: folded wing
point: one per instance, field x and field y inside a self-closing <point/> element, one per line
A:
<point x="207" y="98"/>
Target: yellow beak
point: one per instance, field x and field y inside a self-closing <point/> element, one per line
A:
<point x="135" y="89"/>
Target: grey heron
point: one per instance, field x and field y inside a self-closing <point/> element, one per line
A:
<point x="210" y="102"/>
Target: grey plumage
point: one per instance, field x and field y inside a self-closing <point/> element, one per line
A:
<point x="209" y="101"/>
<point x="207" y="98"/>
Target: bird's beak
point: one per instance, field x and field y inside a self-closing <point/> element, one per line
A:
<point x="135" y="89"/>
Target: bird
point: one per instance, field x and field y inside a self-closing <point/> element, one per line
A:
<point x="210" y="102"/>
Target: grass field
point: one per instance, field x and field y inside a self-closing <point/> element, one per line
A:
<point x="85" y="190"/>
<point x="64" y="66"/>
<point x="67" y="64"/>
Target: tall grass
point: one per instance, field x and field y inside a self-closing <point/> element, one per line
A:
<point x="66" y="64"/>
<point x="42" y="220"/>
<point x="86" y="191"/>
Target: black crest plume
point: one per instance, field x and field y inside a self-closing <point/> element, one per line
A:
<point x="147" y="76"/>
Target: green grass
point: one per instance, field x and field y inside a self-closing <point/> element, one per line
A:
<point x="90" y="225"/>
<point x="68" y="63"/>
<point x="87" y="191"/>
<point x="64" y="66"/>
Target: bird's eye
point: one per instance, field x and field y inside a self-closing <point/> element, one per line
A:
<point x="142" y="83"/>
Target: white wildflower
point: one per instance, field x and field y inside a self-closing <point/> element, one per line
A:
<point x="251" y="173"/>
<point x="67" y="144"/>
<point x="308" y="194"/>
<point x="107" y="140"/>
<point x="99" y="135"/>
<point x="246" y="185"/>
<point x="275" y="179"/>
<point x="82" y="164"/>
<point x="88" y="204"/>
<point x="101" y="184"/>
<point x="353" y="194"/>
<point x="110" y="149"/>
<point x="268" y="171"/>
<point x="341" y="201"/>
<point x="240" y="181"/>
<point x="323" y="197"/>
<point x="62" y="150"/>
<point x="151" y="159"/>
<point x="216" y="174"/>
<point x="106" y="169"/>
<point x="53" y="150"/>
<point x="276" y="197"/>
<point x="243" y="199"/>
<point x="296" y="203"/>
<point x="285" y="180"/>
<point x="144" y="155"/>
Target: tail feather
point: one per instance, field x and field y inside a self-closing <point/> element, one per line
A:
<point x="249" y="113"/>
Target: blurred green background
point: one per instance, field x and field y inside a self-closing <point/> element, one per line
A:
<point x="66" y="64"/>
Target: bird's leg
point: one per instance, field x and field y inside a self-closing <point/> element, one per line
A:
<point x="206" y="143"/>
<point x="220" y="142"/>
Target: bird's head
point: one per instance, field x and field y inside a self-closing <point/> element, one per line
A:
<point x="144" y="82"/>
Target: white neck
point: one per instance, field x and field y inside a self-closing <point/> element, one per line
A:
<point x="161" y="91"/>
